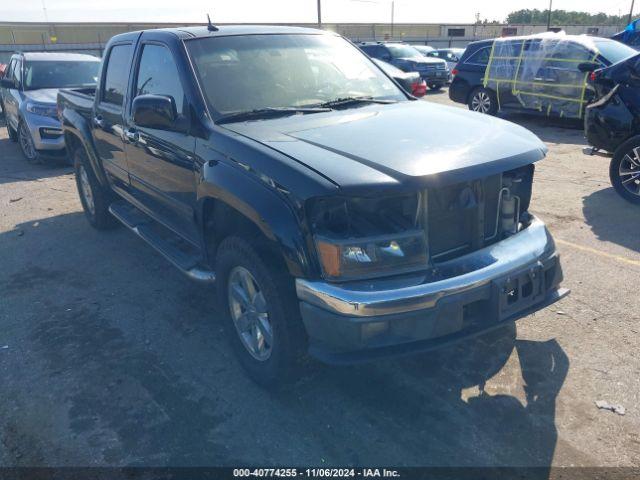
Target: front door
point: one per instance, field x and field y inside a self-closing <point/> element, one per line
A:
<point x="108" y="116"/>
<point x="11" y="96"/>
<point x="161" y="162"/>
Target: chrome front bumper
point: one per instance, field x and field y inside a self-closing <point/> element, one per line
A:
<point x="385" y="297"/>
<point x="463" y="297"/>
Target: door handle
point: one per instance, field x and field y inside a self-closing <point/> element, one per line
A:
<point x="132" y="135"/>
<point x="98" y="121"/>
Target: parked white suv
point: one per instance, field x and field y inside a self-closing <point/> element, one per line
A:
<point x="28" y="94"/>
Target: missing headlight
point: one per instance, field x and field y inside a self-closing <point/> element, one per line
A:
<point x="363" y="217"/>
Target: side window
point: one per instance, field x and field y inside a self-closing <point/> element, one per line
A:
<point x="481" y="57"/>
<point x="158" y="75"/>
<point x="117" y="74"/>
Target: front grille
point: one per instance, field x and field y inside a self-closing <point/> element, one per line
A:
<point x="463" y="217"/>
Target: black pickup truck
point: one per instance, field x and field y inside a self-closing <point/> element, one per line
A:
<point x="285" y="166"/>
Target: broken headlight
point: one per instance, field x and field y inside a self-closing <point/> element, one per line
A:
<point x="362" y="238"/>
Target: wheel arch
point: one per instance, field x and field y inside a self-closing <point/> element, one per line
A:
<point x="230" y="202"/>
<point x="78" y="134"/>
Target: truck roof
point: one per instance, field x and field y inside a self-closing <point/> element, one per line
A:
<point x="187" y="32"/>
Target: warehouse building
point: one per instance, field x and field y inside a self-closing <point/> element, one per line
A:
<point x="91" y="37"/>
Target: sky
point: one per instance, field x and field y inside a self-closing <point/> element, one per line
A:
<point x="285" y="11"/>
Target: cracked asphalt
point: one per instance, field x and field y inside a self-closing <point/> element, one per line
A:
<point x="111" y="357"/>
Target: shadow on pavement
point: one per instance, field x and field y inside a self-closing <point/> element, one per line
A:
<point x="612" y="218"/>
<point x="15" y="168"/>
<point x="129" y="353"/>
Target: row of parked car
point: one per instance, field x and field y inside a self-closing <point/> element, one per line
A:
<point x="283" y="165"/>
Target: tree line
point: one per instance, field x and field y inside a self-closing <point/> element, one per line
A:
<point x="564" y="17"/>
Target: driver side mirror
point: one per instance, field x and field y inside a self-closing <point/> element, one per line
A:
<point x="155" y="111"/>
<point x="7" y="83"/>
<point x="587" y="67"/>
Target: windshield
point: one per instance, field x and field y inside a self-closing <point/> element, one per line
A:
<point x="55" y="74"/>
<point x="614" y="51"/>
<point x="244" y="73"/>
<point x="403" y="51"/>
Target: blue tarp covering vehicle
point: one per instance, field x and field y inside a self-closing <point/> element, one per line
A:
<point x="630" y="35"/>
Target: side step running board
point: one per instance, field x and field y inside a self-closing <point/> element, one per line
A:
<point x="143" y="226"/>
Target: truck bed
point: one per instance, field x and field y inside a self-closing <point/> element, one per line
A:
<point x="78" y="99"/>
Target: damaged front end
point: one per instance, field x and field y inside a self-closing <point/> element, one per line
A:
<point x="358" y="238"/>
<point x="408" y="272"/>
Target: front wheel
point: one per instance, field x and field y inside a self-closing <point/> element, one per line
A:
<point x="483" y="100"/>
<point x="263" y="317"/>
<point x="624" y="170"/>
<point x="26" y="143"/>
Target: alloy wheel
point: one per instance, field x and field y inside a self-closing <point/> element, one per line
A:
<point x="481" y="102"/>
<point x="629" y="171"/>
<point x="249" y="312"/>
<point x="26" y="143"/>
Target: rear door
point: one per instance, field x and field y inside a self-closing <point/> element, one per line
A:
<point x="161" y="162"/>
<point x="108" y="127"/>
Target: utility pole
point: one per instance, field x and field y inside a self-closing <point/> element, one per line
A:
<point x="630" y="13"/>
<point x="319" y="14"/>
<point x="393" y="6"/>
<point x="549" y="15"/>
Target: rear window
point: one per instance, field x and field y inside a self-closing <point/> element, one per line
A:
<point x="480" y="57"/>
<point x="613" y="51"/>
<point x="117" y="74"/>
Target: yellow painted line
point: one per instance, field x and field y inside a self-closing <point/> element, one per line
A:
<point x="599" y="252"/>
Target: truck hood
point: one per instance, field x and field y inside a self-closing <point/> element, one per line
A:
<point x="45" y="96"/>
<point x="407" y="143"/>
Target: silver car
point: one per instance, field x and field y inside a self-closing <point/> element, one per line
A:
<point x="28" y="94"/>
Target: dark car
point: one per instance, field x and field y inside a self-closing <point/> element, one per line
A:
<point x="405" y="57"/>
<point x="543" y="73"/>
<point x="412" y="82"/>
<point x="335" y="213"/>
<point x="612" y="123"/>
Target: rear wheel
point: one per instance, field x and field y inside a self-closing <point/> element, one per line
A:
<point x="263" y="319"/>
<point x="94" y="197"/>
<point x="26" y="143"/>
<point x="624" y="170"/>
<point x="483" y="100"/>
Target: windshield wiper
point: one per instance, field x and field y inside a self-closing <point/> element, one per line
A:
<point x="341" y="102"/>
<point x="270" y="112"/>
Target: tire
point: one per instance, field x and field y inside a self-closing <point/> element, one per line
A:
<point x="272" y="356"/>
<point x="483" y="100"/>
<point x="624" y="170"/>
<point x="94" y="197"/>
<point x="25" y="140"/>
<point x="13" y="135"/>
<point x="435" y="86"/>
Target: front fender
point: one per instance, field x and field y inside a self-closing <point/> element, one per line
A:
<point x="256" y="197"/>
<point x="75" y="124"/>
